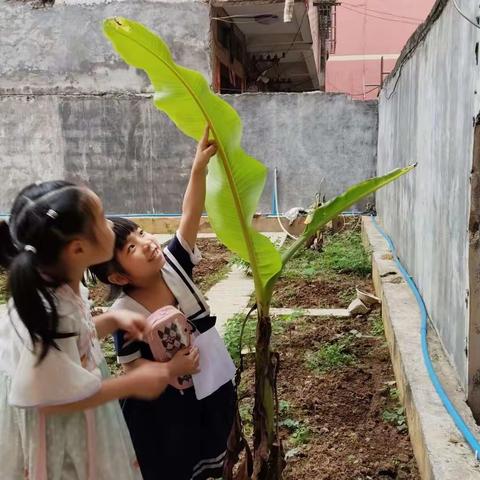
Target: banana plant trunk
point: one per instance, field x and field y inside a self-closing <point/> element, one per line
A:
<point x="269" y="459"/>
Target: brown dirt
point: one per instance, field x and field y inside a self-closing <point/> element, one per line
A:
<point x="335" y="291"/>
<point x="98" y="294"/>
<point x="214" y="264"/>
<point x="3" y="286"/>
<point x="343" y="408"/>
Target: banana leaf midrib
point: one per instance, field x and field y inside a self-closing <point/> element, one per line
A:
<point x="226" y="166"/>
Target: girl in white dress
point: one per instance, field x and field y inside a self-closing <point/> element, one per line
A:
<point x="59" y="418"/>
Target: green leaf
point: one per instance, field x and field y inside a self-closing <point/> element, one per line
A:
<point x="323" y="214"/>
<point x="235" y="180"/>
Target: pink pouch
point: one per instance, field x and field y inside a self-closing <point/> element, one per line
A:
<point x="168" y="332"/>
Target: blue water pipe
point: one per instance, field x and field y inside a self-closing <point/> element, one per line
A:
<point x="458" y="420"/>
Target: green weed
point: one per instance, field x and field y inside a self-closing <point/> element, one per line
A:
<point x="300" y="433"/>
<point x="241" y="263"/>
<point x="110" y="355"/>
<point x="377" y="326"/>
<point x="396" y="417"/>
<point x="234" y="326"/>
<point x="283" y="407"/>
<point x="245" y="410"/>
<point x="209" y="281"/>
<point x="342" y="253"/>
<point x="330" y="356"/>
<point x="3" y="286"/>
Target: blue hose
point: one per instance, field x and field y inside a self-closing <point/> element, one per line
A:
<point x="352" y="213"/>
<point x="458" y="420"/>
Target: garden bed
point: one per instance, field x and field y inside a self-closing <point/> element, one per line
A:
<point x="214" y="265"/>
<point x="326" y="279"/>
<point x="340" y="414"/>
<point x="340" y="417"/>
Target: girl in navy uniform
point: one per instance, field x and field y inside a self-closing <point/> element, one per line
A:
<point x="176" y="436"/>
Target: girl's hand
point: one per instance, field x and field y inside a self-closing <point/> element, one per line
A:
<point x="132" y="323"/>
<point x="184" y="362"/>
<point x="206" y="149"/>
<point x="148" y="380"/>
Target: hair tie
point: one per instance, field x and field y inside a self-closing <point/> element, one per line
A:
<point x="30" y="248"/>
<point x="52" y="214"/>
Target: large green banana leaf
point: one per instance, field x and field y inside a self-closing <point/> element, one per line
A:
<point x="235" y="180"/>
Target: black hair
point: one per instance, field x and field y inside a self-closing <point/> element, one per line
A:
<point x="45" y="217"/>
<point x="122" y="227"/>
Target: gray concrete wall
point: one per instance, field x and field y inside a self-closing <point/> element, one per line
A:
<point x="61" y="49"/>
<point x="317" y="141"/>
<point x="426" y="114"/>
<point x="70" y="107"/>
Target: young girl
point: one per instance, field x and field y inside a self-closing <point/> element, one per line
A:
<point x="57" y="417"/>
<point x="176" y="435"/>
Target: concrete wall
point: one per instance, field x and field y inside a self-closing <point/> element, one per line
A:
<point x="70" y="108"/>
<point x="318" y="142"/>
<point x="61" y="49"/>
<point x="426" y="115"/>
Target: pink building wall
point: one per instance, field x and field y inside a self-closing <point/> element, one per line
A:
<point x="365" y="31"/>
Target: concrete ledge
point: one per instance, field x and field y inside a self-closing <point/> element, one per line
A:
<point x="261" y="223"/>
<point x="313" y="312"/>
<point x="439" y="448"/>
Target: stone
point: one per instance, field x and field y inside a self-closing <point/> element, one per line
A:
<point x="357" y="307"/>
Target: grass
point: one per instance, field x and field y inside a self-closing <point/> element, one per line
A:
<point x="3" y="286"/>
<point x="377" y="325"/>
<point x="395" y="413"/>
<point x="300" y="433"/>
<point x="234" y="326"/>
<point x="342" y="253"/>
<point x="209" y="281"/>
<point x="330" y="356"/>
<point x="241" y="263"/>
<point x="245" y="410"/>
<point x="108" y="349"/>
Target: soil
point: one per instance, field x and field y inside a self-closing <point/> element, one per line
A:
<point x="342" y="408"/>
<point x="3" y="286"/>
<point x="214" y="264"/>
<point x="99" y="294"/>
<point x="334" y="291"/>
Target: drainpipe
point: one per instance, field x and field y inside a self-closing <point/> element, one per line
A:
<point x="288" y="11"/>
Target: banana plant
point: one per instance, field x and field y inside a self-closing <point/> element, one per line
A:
<point x="235" y="182"/>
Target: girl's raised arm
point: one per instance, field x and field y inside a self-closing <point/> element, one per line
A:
<point x="194" y="199"/>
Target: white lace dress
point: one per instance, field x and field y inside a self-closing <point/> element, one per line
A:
<point x="91" y="445"/>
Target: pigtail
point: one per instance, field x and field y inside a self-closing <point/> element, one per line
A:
<point x="7" y="248"/>
<point x="34" y="302"/>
